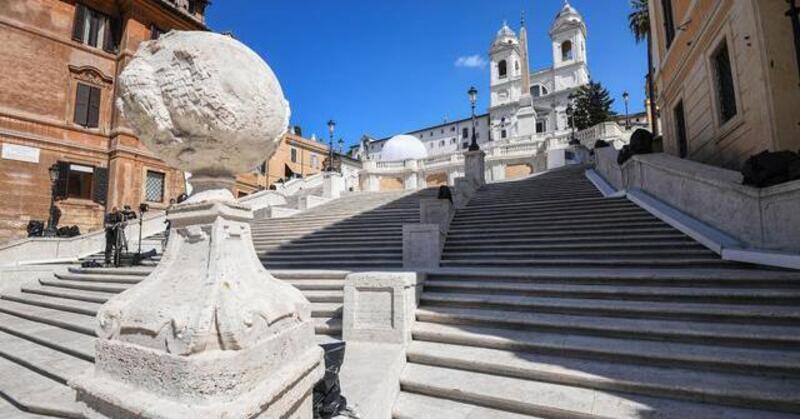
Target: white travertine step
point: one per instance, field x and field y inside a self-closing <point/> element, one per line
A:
<point x="41" y="359"/>
<point x="75" y="344"/>
<point x="60" y="304"/>
<point x="627" y="349"/>
<point x="684" y="261"/>
<point x="107" y="278"/>
<point x="82" y="285"/>
<point x="680" y="251"/>
<point x="556" y="226"/>
<point x="37" y="393"/>
<point x="764" y="314"/>
<point x="70" y="321"/>
<point x="89" y="296"/>
<point x="521" y="220"/>
<point x="642" y="328"/>
<point x="553" y="400"/>
<point x="418" y="406"/>
<point x="729" y="389"/>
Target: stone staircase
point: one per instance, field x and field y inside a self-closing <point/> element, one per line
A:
<point x="47" y="327"/>
<point x="560" y="219"/>
<point x="358" y="231"/>
<point x="535" y="317"/>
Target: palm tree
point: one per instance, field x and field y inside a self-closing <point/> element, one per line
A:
<point x="639" y="22"/>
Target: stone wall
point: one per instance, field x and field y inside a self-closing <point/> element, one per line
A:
<point x="766" y="218"/>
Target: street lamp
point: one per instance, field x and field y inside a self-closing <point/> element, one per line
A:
<point x="626" y="97"/>
<point x="54" y="173"/>
<point x="331" y="129"/>
<point x="341" y="145"/>
<point x="473" y="97"/>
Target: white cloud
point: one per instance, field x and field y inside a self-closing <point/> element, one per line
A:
<point x="471" y="61"/>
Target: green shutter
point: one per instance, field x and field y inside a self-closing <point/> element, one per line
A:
<point x="93" y="112"/>
<point x="80" y="18"/>
<point x="82" y="104"/>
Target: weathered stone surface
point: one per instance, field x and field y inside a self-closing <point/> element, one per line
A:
<point x="204" y="102"/>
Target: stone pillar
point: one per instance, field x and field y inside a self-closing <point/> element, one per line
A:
<point x="332" y="185"/>
<point x="209" y="333"/>
<point x="379" y="306"/>
<point x="410" y="176"/>
<point x="436" y="211"/>
<point x="462" y="192"/>
<point x="475" y="167"/>
<point x="422" y="245"/>
<point x="498" y="170"/>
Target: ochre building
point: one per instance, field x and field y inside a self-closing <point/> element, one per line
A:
<point x="60" y="61"/>
<point x="727" y="78"/>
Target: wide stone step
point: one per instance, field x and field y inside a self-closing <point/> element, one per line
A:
<point x="602" y="232"/>
<point x="330" y="235"/>
<point x="56" y="365"/>
<point x="331" y="296"/>
<point x="418" y="406"/>
<point x="80" y="323"/>
<point x="484" y="201"/>
<point x="36" y="393"/>
<point x="633" y="277"/>
<point x="765" y="336"/>
<point x="134" y="271"/>
<point x="543" y="203"/>
<point x="575" y="246"/>
<point x="676" y="238"/>
<point x="641" y="292"/>
<point x="770" y="362"/>
<point x="329" y="230"/>
<point x="551" y="400"/>
<point x="526" y="218"/>
<point x="96" y="277"/>
<point x="77" y="345"/>
<point x="323" y="242"/>
<point x="299" y="249"/>
<point x="88" y="296"/>
<point x="619" y="220"/>
<point x="333" y="264"/>
<point x="661" y="261"/>
<point x="277" y="256"/>
<point x="60" y="304"/>
<point x="758" y="392"/>
<point x="588" y="253"/>
<point x="672" y="310"/>
<point x="85" y="285"/>
<point x="557" y="227"/>
<point x="534" y="209"/>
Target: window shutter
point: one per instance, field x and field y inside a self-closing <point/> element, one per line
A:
<point x="100" y="185"/>
<point x="82" y="104"/>
<point x="61" y="182"/>
<point x="111" y="37"/>
<point x="93" y="114"/>
<point x="80" y="18"/>
<point x="94" y="28"/>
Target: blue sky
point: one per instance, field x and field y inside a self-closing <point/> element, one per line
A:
<point x="385" y="67"/>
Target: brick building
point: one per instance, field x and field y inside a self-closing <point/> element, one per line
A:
<point x="60" y="60"/>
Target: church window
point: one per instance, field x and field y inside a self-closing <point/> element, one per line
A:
<point x="503" y="134"/>
<point x="293" y="153"/>
<point x="566" y="50"/>
<point x="502" y="69"/>
<point x="465" y="133"/>
<point x="541" y="126"/>
<point x="726" y="93"/>
<point x="87" y="106"/>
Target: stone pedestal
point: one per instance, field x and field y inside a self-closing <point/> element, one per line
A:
<point x="332" y="185"/>
<point x="210" y="333"/>
<point x="475" y="167"/>
<point x="379" y="306"/>
<point x="422" y="245"/>
<point x="436" y="211"/>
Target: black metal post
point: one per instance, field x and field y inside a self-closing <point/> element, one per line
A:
<point x="473" y="93"/>
<point x="51" y="230"/>
<point x="141" y="224"/>
<point x="794" y="15"/>
<point x="331" y="127"/>
<point x="626" y="98"/>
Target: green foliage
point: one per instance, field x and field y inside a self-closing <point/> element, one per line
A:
<point x="591" y="105"/>
<point x="639" y="20"/>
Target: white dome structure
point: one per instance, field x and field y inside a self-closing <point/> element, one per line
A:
<point x="403" y="147"/>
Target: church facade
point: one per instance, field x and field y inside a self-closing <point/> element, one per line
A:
<point x="525" y="105"/>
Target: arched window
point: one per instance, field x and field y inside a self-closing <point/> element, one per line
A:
<point x="566" y="51"/>
<point x="539" y="90"/>
<point x="502" y="69"/>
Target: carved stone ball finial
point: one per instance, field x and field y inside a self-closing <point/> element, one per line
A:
<point x="204" y="103"/>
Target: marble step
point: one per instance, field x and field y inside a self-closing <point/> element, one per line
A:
<point x="468" y="246"/>
<point x="114" y="288"/>
<point x="666" y="310"/>
<point x="558" y="227"/>
<point x="630" y="350"/>
<point x="43" y="360"/>
<point x="517" y="205"/>
<point x="418" y="406"/>
<point x="55" y="303"/>
<point x="529" y="216"/>
<point x="79" y="323"/>
<point x="334" y="264"/>
<point x="534" y="223"/>
<point x="64" y="293"/>
<point x="77" y="345"/>
<point x="662" y="239"/>
<point x="690" y="331"/>
<point x="299" y="249"/>
<point x="36" y="393"/>
<point x="640" y="292"/>
<point x="683" y="252"/>
<point x="769" y="393"/>
<point x="603" y="232"/>
<point x="553" y="400"/>
<point x="134" y="271"/>
<point x="673" y="262"/>
<point x="97" y="277"/>
<point x="522" y="210"/>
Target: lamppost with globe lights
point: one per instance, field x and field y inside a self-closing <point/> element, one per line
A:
<point x="51" y="230"/>
<point x="626" y="98"/>
<point x="473" y="98"/>
<point x="331" y="130"/>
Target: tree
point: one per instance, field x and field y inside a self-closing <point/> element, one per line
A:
<point x="639" y="23"/>
<point x="592" y="105"/>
